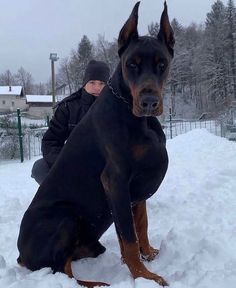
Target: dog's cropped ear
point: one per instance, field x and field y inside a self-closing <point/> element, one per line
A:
<point x="166" y="33"/>
<point x="129" y="30"/>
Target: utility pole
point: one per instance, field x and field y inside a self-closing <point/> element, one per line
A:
<point x="170" y="117"/>
<point x="20" y="135"/>
<point x="53" y="57"/>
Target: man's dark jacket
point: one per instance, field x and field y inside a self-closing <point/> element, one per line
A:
<point x="68" y="113"/>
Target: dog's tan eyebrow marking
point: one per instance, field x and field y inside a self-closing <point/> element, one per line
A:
<point x="159" y="58"/>
<point x="137" y="59"/>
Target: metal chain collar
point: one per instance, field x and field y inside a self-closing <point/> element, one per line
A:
<point x="116" y="93"/>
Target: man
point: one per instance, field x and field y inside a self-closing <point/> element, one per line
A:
<point x="68" y="114"/>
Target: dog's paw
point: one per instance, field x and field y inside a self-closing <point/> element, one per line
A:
<point x="152" y="276"/>
<point x="142" y="282"/>
<point x="161" y="281"/>
<point x="149" y="254"/>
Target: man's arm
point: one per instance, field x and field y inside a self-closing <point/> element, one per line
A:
<point x="56" y="135"/>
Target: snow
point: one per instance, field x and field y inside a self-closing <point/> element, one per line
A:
<point x="38" y="98"/>
<point x="15" y="90"/>
<point x="42" y="98"/>
<point x="191" y="219"/>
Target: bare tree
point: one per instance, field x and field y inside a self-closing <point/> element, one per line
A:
<point x="153" y="29"/>
<point x="107" y="51"/>
<point x="39" y="89"/>
<point x="6" y="78"/>
<point x="64" y="73"/>
<point x="24" y="79"/>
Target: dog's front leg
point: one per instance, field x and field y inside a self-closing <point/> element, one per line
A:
<point x="115" y="180"/>
<point x="141" y="223"/>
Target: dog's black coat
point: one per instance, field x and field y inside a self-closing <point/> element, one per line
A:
<point x="112" y="160"/>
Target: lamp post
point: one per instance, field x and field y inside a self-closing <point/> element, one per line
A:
<point x="53" y="57"/>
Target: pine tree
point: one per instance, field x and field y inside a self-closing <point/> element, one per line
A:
<point x="231" y="45"/>
<point x="71" y="70"/>
<point x="215" y="65"/>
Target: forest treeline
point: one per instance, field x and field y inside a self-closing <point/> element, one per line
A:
<point x="203" y="71"/>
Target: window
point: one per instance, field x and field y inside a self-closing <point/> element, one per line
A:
<point x="3" y="102"/>
<point x="12" y="103"/>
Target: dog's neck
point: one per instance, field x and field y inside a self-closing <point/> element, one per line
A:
<point x="119" y="87"/>
<point x="122" y="92"/>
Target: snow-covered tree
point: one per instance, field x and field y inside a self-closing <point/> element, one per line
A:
<point x="215" y="64"/>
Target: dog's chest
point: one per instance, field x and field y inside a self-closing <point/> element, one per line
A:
<point x="148" y="158"/>
<point x="145" y="149"/>
<point x="149" y="164"/>
<point x="140" y="151"/>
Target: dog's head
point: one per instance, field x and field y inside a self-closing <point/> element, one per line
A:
<point x="145" y="63"/>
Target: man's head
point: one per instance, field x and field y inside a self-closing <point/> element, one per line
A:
<point x="95" y="77"/>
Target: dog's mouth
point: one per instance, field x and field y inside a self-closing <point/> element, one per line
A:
<point x="147" y="99"/>
<point x="151" y="108"/>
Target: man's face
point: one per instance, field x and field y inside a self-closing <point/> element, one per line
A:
<point x="94" y="87"/>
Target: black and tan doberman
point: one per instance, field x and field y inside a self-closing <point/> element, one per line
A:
<point x="114" y="160"/>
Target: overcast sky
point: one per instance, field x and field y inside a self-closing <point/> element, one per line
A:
<point x="31" y="29"/>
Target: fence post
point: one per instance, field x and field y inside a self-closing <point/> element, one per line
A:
<point x="170" y="114"/>
<point x="48" y="120"/>
<point x="20" y="135"/>
<point x="29" y="147"/>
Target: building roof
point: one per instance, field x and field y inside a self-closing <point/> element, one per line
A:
<point x="39" y="98"/>
<point x="11" y="90"/>
<point x="42" y="98"/>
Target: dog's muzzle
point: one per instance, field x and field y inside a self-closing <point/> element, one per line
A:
<point x="149" y="104"/>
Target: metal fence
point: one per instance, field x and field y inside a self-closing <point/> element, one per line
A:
<point x="176" y="127"/>
<point x="32" y="138"/>
<point x="18" y="139"/>
<point x="32" y="141"/>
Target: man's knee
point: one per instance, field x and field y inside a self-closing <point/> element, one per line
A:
<point x="40" y="170"/>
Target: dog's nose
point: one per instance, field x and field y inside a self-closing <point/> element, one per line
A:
<point x="148" y="102"/>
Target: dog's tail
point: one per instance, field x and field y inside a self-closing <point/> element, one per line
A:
<point x="91" y="284"/>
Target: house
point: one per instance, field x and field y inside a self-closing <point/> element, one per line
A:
<point x="39" y="105"/>
<point x="11" y="98"/>
<point x="62" y="91"/>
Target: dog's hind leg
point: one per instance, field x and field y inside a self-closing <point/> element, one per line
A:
<point x="63" y="243"/>
<point x="66" y="238"/>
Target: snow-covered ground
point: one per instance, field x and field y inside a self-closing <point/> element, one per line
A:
<point x="192" y="219"/>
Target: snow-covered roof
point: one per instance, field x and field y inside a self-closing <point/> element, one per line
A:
<point x="39" y="98"/>
<point x="10" y="90"/>
<point x="43" y="98"/>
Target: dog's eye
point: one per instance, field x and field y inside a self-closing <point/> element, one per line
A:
<point x="161" y="66"/>
<point x="132" y="65"/>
